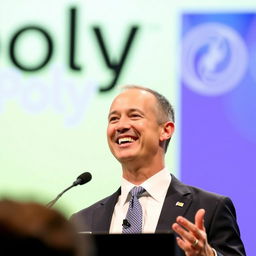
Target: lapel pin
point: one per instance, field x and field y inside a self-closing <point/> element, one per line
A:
<point x="180" y="204"/>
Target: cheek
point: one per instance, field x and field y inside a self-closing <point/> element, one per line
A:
<point x="110" y="133"/>
<point x="153" y="135"/>
<point x="139" y="126"/>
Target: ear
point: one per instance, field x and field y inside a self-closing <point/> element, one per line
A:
<point x="167" y="131"/>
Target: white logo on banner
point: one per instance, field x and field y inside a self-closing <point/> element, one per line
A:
<point x="214" y="59"/>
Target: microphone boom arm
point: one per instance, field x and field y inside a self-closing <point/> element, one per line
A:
<point x="81" y="179"/>
<point x="51" y="203"/>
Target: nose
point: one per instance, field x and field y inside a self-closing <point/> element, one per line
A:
<point x="123" y="125"/>
<point x="122" y="129"/>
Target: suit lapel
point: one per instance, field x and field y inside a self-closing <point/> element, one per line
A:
<point x="177" y="201"/>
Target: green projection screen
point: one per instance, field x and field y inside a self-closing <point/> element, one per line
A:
<point x="62" y="62"/>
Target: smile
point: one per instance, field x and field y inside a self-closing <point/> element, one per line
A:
<point x="125" y="140"/>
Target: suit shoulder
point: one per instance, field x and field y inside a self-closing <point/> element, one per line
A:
<point x="213" y="200"/>
<point x="92" y="207"/>
<point x="88" y="210"/>
<point x="201" y="196"/>
<point x="86" y="219"/>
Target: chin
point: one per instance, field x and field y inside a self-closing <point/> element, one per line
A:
<point x="125" y="154"/>
<point x="122" y="158"/>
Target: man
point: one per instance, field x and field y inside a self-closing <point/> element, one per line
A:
<point x="140" y="126"/>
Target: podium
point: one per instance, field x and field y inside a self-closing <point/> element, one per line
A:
<point x="134" y="244"/>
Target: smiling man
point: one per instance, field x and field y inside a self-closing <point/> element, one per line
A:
<point x="150" y="199"/>
<point x="138" y="133"/>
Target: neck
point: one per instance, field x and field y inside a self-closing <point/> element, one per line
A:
<point x="137" y="173"/>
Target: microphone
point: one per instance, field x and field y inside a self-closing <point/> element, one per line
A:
<point x="126" y="223"/>
<point x="80" y="180"/>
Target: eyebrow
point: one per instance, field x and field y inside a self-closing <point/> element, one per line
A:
<point x="112" y="113"/>
<point x="130" y="110"/>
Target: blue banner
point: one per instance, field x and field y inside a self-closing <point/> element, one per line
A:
<point x="218" y="97"/>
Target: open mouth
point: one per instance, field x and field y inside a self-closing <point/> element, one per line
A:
<point x="125" y="140"/>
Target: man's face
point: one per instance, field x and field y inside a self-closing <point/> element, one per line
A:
<point x="133" y="131"/>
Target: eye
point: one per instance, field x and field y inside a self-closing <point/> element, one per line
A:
<point x="113" y="119"/>
<point x="135" y="116"/>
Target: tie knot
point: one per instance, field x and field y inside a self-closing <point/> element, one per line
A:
<point x="137" y="191"/>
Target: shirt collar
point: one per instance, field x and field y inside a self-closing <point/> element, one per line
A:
<point x="156" y="186"/>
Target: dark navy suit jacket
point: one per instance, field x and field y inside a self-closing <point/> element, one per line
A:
<point x="220" y="219"/>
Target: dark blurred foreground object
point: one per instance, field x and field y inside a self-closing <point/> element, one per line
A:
<point x="29" y="228"/>
<point x="134" y="244"/>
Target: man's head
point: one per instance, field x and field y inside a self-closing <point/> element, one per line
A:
<point x="141" y="123"/>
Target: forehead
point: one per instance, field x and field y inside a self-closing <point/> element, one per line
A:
<point x="133" y="98"/>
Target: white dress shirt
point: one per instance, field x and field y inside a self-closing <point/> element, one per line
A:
<point x="151" y="201"/>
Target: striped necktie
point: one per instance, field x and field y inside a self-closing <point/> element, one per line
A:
<point x="133" y="221"/>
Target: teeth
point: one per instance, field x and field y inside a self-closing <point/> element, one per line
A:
<point x="124" y="140"/>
